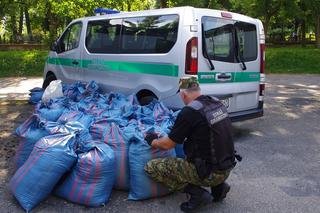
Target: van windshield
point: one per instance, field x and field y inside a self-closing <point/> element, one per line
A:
<point x="219" y="38"/>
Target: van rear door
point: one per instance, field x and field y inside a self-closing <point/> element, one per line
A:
<point x="247" y="69"/>
<point x="232" y="47"/>
<point x="218" y="46"/>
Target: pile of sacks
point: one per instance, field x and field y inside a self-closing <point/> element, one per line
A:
<point x="84" y="144"/>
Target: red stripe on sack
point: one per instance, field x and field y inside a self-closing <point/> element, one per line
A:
<point x="26" y="125"/>
<point x="22" y="172"/>
<point x="123" y="158"/>
<point x="96" y="176"/>
<point x="100" y="132"/>
<point x="106" y="138"/>
<point x="93" y="130"/>
<point x="76" y="181"/>
<point x="114" y="145"/>
<point x="86" y="178"/>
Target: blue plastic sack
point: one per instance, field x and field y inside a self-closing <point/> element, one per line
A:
<point x="100" y="129"/>
<point x="35" y="95"/>
<point x="29" y="132"/>
<point x="142" y="186"/>
<point x="91" y="180"/>
<point x="52" y="110"/>
<point x="92" y="103"/>
<point x="120" y="147"/>
<point x="51" y="157"/>
<point x="80" y="90"/>
<point x="74" y="91"/>
<point x="110" y="133"/>
<point x="83" y="118"/>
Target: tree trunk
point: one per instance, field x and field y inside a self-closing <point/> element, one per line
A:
<point x="266" y="26"/>
<point x="296" y="26"/>
<point x="129" y="5"/>
<point x="20" y="22"/>
<point x="163" y="3"/>
<point x="208" y="3"/>
<point x="13" y="28"/>
<point x="303" y="33"/>
<point x="28" y="23"/>
<point x="318" y="31"/>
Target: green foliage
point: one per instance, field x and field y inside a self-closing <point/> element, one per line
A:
<point x="278" y="60"/>
<point x="22" y="63"/>
<point x="293" y="60"/>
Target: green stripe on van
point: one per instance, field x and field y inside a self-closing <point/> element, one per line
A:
<point x="210" y="77"/>
<point x="119" y="66"/>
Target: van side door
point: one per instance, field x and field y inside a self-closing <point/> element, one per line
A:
<point x="68" y="61"/>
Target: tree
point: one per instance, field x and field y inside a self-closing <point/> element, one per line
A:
<point x="314" y="6"/>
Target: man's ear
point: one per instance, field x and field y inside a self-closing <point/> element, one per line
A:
<point x="183" y="95"/>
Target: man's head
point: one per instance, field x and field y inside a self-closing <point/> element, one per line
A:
<point x="189" y="89"/>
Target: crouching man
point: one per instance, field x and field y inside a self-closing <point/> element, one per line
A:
<point x="204" y="128"/>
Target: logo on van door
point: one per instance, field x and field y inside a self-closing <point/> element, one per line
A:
<point x="98" y="65"/>
<point x="207" y="76"/>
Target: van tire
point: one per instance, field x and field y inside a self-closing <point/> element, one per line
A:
<point x="47" y="81"/>
<point x="146" y="100"/>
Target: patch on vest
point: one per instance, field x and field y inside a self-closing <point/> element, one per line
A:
<point x="217" y="115"/>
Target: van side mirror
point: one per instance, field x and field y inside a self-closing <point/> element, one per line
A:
<point x="54" y="46"/>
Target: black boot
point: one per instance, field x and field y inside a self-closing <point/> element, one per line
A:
<point x="220" y="191"/>
<point x="199" y="197"/>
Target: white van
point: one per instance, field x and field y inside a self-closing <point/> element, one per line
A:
<point x="147" y="52"/>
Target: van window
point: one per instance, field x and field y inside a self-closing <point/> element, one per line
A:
<point x="71" y="37"/>
<point x="220" y="43"/>
<point x="103" y="36"/>
<point x="150" y="34"/>
<point x="218" y="35"/>
<point x="247" y="38"/>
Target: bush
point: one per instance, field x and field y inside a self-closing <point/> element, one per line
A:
<point x="22" y="63"/>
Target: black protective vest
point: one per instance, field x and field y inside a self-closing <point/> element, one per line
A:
<point x="221" y="141"/>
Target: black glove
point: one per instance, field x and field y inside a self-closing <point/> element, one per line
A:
<point x="150" y="137"/>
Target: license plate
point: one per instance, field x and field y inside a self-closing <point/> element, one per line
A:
<point x="226" y="102"/>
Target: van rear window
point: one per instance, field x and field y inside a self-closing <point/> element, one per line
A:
<point x="149" y="34"/>
<point x="226" y="40"/>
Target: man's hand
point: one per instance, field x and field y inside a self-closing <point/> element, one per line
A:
<point x="150" y="137"/>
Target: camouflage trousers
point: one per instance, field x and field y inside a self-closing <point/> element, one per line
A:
<point x="177" y="173"/>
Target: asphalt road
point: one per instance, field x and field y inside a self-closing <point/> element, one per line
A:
<point x="280" y="171"/>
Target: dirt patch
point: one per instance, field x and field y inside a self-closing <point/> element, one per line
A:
<point x="12" y="114"/>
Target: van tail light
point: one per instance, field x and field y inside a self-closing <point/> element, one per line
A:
<point x="262" y="57"/>
<point x="191" y="67"/>
<point x="262" y="72"/>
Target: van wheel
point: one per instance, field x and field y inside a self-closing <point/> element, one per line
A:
<point x="48" y="80"/>
<point x="146" y="100"/>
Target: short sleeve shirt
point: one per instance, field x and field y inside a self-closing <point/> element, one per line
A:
<point x="192" y="129"/>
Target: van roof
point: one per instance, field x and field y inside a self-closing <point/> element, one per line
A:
<point x="173" y="10"/>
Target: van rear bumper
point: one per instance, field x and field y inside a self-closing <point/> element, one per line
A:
<point x="247" y="114"/>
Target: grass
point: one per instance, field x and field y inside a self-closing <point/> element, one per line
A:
<point x="278" y="60"/>
<point x="293" y="60"/>
<point x="22" y="63"/>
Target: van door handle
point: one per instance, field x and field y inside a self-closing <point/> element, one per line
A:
<point x="223" y="76"/>
<point x="75" y="62"/>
